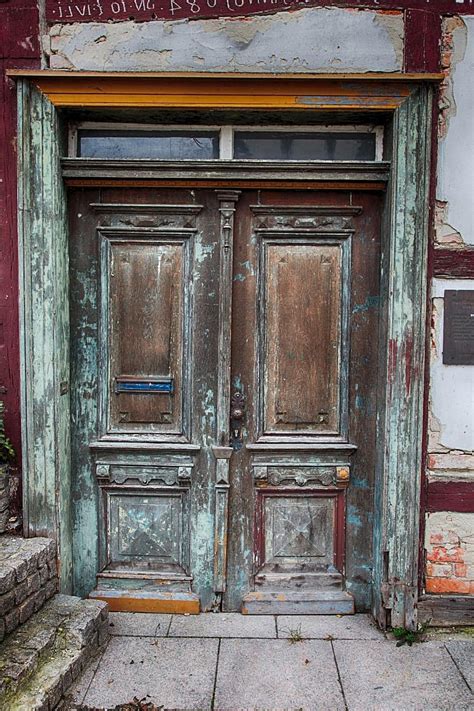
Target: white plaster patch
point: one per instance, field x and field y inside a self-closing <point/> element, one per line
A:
<point x="456" y="149"/>
<point x="452" y="386"/>
<point x="312" y="40"/>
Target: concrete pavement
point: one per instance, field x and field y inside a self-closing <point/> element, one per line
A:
<point x="230" y="662"/>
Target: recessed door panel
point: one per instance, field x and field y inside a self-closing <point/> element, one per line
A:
<point x="145" y="304"/>
<point x="302" y="337"/>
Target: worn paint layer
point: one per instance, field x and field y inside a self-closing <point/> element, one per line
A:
<point x="319" y="39"/>
<point x="456" y="128"/>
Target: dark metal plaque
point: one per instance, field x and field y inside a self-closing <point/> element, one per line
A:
<point x="458" y="337"/>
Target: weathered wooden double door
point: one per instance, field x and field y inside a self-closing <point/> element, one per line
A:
<point x="224" y="379"/>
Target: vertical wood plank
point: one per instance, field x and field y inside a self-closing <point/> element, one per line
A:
<point x="400" y="420"/>
<point x="44" y="325"/>
<point x="227" y="200"/>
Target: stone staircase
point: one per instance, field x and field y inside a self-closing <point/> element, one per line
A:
<point x="47" y="638"/>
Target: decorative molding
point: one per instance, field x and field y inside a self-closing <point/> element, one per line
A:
<point x="227" y="201"/>
<point x="94" y="171"/>
<point x="301" y="476"/>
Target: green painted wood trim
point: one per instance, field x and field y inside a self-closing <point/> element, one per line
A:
<point x="44" y="324"/>
<point x="400" y="428"/>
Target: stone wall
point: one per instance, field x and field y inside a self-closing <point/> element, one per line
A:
<point x="449" y="537"/>
<point x="28" y="577"/>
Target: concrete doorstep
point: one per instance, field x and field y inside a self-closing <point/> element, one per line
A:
<point x="231" y="662"/>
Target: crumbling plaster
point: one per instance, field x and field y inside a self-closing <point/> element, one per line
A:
<point x="310" y="40"/>
<point x="455" y="216"/>
<point x="451" y="424"/>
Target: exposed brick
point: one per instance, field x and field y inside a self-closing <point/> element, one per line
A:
<point x="442" y="554"/>
<point x="460" y="570"/>
<point x="439" y="570"/>
<point x="447" y="585"/>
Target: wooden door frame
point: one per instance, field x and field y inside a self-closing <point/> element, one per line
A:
<point x="44" y="286"/>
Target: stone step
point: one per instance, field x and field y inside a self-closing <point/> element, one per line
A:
<point x="285" y="602"/>
<point x="298" y="581"/>
<point x="40" y="661"/>
<point x="28" y="577"/>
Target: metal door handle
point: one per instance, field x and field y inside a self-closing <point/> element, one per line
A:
<point x="237" y="416"/>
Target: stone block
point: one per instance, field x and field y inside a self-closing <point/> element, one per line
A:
<point x="26" y="609"/>
<point x="44" y="574"/>
<point x="7" y="601"/>
<point x="39" y="598"/>
<point x="12" y="620"/>
<point x="51" y="588"/>
<point x="33" y="582"/>
<point x="21" y="592"/>
<point x="7" y="578"/>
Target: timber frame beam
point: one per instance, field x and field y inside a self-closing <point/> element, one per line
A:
<point x="44" y="286"/>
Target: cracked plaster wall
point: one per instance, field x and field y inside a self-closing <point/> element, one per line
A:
<point x="455" y="216"/>
<point x="311" y="40"/>
<point x="451" y="424"/>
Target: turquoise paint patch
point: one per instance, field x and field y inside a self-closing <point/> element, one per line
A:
<point x="239" y="277"/>
<point x="360" y="402"/>
<point x="371" y="302"/>
<point x="353" y="517"/>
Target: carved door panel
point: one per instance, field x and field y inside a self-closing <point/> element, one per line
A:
<point x="144" y="307"/>
<point x="223" y="392"/>
<point x="304" y="358"/>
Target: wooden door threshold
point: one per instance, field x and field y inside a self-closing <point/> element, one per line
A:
<point x="172" y="603"/>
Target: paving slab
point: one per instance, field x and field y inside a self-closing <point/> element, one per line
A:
<point x="463" y="654"/>
<point x="276" y="674"/>
<point x="224" y="624"/>
<point x="328" y="627"/>
<point x="138" y="624"/>
<point x="380" y="675"/>
<point x="174" y="673"/>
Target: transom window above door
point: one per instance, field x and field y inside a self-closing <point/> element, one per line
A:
<point x="269" y="143"/>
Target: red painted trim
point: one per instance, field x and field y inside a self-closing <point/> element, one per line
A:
<point x="339" y="519"/>
<point x="19" y="45"/>
<point x="428" y="329"/>
<point x="422" y="41"/>
<point x="450" y="496"/>
<point x="454" y="263"/>
<point x="64" y="11"/>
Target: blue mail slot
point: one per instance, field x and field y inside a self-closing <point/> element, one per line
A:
<point x="147" y="385"/>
